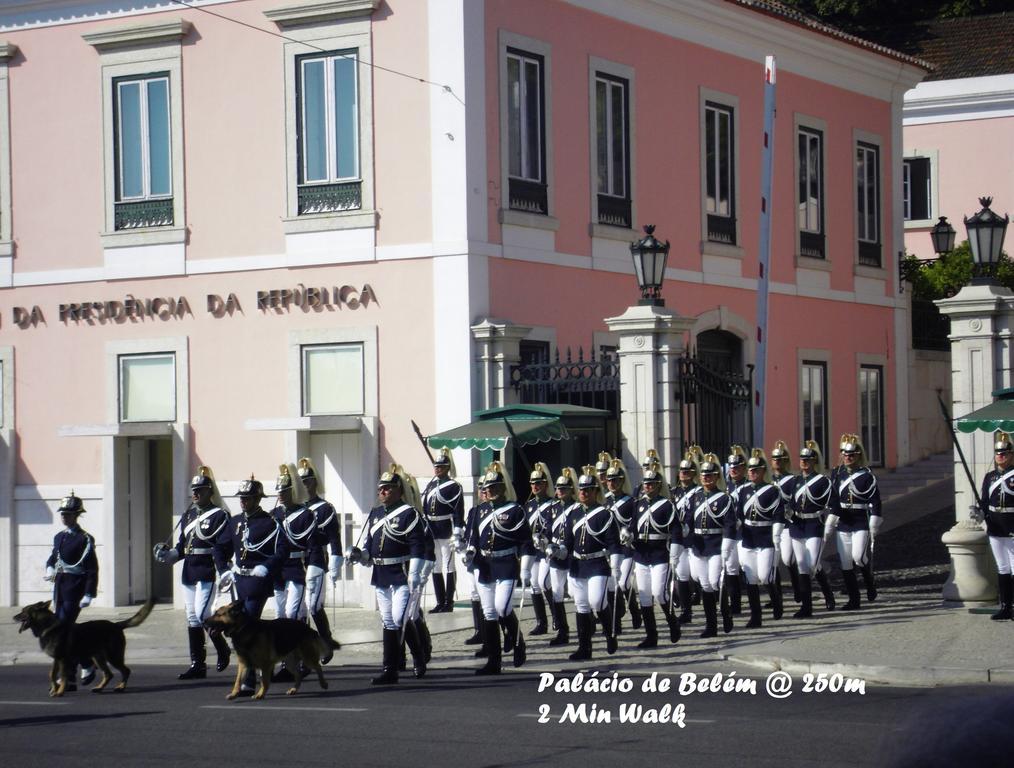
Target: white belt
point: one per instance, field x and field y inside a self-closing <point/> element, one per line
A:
<point x="807" y="515"/>
<point x="706" y="531"/>
<point x="496" y="553"/>
<point x="76" y="570"/>
<point x="240" y="571"/>
<point x="391" y="560"/>
<point x="854" y="506"/>
<point x="654" y="537"/>
<point x="759" y="523"/>
<point x="200" y="551"/>
<point x="297" y="555"/>
<point x="590" y="556"/>
<point x="438" y="518"/>
<point x="1001" y="509"/>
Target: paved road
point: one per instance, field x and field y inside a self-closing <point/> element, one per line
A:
<point x="451" y="719"/>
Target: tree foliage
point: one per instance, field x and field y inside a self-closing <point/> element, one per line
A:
<point x="951" y="272"/>
<point x="868" y="18"/>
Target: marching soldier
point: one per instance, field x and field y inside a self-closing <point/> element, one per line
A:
<point x="395" y="546"/>
<point x="460" y="544"/>
<point x="809" y="496"/>
<point x="328" y="536"/>
<point x="997" y="506"/>
<point x="856" y="513"/>
<point x="532" y="556"/>
<point x="558" y="563"/>
<point x="590" y="539"/>
<point x="417" y="633"/>
<point x="657" y="540"/>
<point x="623" y="506"/>
<point x="782" y="477"/>
<point x="443" y="507"/>
<point x="681" y="495"/>
<point x="200" y="525"/>
<point x="74" y="570"/>
<point x="712" y="520"/>
<point x="602" y="467"/>
<point x="759" y="510"/>
<point x="495" y="546"/>
<point x="735" y="479"/>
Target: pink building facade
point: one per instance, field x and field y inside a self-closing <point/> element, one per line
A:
<point x="233" y="246"/>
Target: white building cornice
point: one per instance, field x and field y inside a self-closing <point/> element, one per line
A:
<point x="7" y="52"/>
<point x="47" y="13"/>
<point x="321" y="11"/>
<point x="138" y="34"/>
<point x="967" y="98"/>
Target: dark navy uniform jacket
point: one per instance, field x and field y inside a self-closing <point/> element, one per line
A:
<point x="712" y="517"/>
<point x="854" y="496"/>
<point x="556" y="526"/>
<point x="997" y="502"/>
<point x="299" y="524"/>
<point x="328" y="533"/>
<point x="471" y="520"/>
<point x="394" y="535"/>
<point x="810" y="496"/>
<point x="77" y="571"/>
<point x="785" y="483"/>
<point x="681" y="496"/>
<point x="590" y="535"/>
<point x="623" y="508"/>
<point x="759" y="507"/>
<point x="500" y="530"/>
<point x="252" y="540"/>
<point x="733" y="489"/>
<point x="443" y="505"/>
<point x="536" y="510"/>
<point x="196" y="545"/>
<point x="655" y="526"/>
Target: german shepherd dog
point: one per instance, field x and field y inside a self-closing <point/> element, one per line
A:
<point x="69" y="644"/>
<point x="259" y="644"/>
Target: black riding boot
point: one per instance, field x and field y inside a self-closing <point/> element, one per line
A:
<point x="825" y="588"/>
<point x="673" y="622"/>
<point x="870" y="581"/>
<point x="539" y="604"/>
<point x="775" y="592"/>
<point x="449" y="592"/>
<point x="735" y="586"/>
<point x="635" y="609"/>
<point x="710" y="602"/>
<point x="423" y="631"/>
<point x="584" y="645"/>
<point x="198" y="669"/>
<point x="797" y="595"/>
<point x="686" y="602"/>
<point x="324" y="630"/>
<point x="806" y="594"/>
<point x="753" y="596"/>
<point x="222" y="649"/>
<point x="562" y="628"/>
<point x="415" y="645"/>
<point x="650" y="628"/>
<point x="517" y="639"/>
<point x="611" y="644"/>
<point x="476" y="637"/>
<point x="440" y="593"/>
<point x="389" y="672"/>
<point x="491" y="635"/>
<point x="1005" y="588"/>
<point x="852" y="588"/>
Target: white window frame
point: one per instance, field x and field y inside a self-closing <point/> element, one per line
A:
<point x="712" y="247"/>
<point x="821" y="357"/>
<point x="121" y="415"/>
<point x="304" y="378"/>
<point x="330" y="118"/>
<point x="141" y="82"/>
<point x="366" y="336"/>
<point x="318" y="28"/>
<point x="597" y="66"/>
<point x="865" y="137"/>
<point x="806" y="376"/>
<point x="870" y="364"/>
<point x="811" y="125"/>
<point x="528" y="144"/>
<point x="933" y="156"/>
<point x="507" y="215"/>
<point x="7" y="52"/>
<point x="138" y="51"/>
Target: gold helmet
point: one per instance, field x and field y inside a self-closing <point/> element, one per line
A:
<point x="71" y="505"/>
<point x="758" y="461"/>
<point x="711" y="467"/>
<point x="811" y="451"/>
<point x="1003" y="443"/>
<point x="251" y="489"/>
<point x="444" y="459"/>
<point x="737" y="456"/>
<point x="206" y="479"/>
<point x="391" y="476"/>
<point x="616" y="471"/>
<point x="496" y="474"/>
<point x="567" y="479"/>
<point x="604" y="462"/>
<point x="588" y="480"/>
<point x="650" y="457"/>
<point x="852" y="446"/>
<point x="286" y="482"/>
<point x="307" y="471"/>
<point x="540" y="474"/>
<point x="780" y="452"/>
<point x="690" y="461"/>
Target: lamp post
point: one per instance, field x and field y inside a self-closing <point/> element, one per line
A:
<point x="986" y="231"/>
<point x="942" y="236"/>
<point x="650" y="257"/>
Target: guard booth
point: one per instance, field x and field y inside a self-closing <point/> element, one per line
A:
<point x="521" y="435"/>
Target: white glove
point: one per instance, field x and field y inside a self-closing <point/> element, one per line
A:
<point x="415" y="577"/>
<point x="456" y="532"/>
<point x="50" y="573"/>
<point x="85" y="601"/>
<point x="334" y="565"/>
<point x="626" y="536"/>
<point x="560" y="552"/>
<point x="225" y="581"/>
<point x="875" y="522"/>
<point x="459" y="545"/>
<point x="167" y="555"/>
<point x="727" y="548"/>
<point x="260" y="571"/>
<point x="469" y="555"/>
<point x="776" y="533"/>
<point x="427" y="569"/>
<point x="686" y="531"/>
<point x="615" y="560"/>
<point x="675" y="550"/>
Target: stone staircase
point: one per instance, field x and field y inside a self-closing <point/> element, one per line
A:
<point x="918" y="489"/>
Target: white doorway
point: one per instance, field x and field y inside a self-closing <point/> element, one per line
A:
<point x="149" y="516"/>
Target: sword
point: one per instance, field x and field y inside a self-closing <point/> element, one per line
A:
<point x="723" y="602"/>
<point x="413" y="604"/>
<point x="418" y="433"/>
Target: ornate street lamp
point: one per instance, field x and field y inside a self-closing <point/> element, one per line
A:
<point x="650" y="257"/>
<point x="986" y="231"/>
<point x="942" y="236"/>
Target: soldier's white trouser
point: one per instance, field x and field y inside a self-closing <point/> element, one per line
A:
<point x="289" y="601"/>
<point x="683" y="564"/>
<point x="392" y="602"/>
<point x="626" y="568"/>
<point x="758" y="563"/>
<point x="807" y="554"/>
<point x="1003" y="553"/>
<point x="651" y="581"/>
<point x="852" y="548"/>
<point x="557" y="582"/>
<point x="445" y="556"/>
<point x="468" y="584"/>
<point x="706" y="571"/>
<point x="732" y="565"/>
<point x="785" y="548"/>
<point x="589" y="593"/>
<point x="497" y="598"/>
<point x="197" y="601"/>
<point x="315" y="589"/>
<point x="531" y="574"/>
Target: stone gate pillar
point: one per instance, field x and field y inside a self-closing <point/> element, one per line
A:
<point x="498" y="349"/>
<point x="651" y="339"/>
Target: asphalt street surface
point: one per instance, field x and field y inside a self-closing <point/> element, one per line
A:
<point x="453" y="718"/>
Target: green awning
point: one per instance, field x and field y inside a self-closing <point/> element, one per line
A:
<point x="997" y="415"/>
<point x="494" y="434"/>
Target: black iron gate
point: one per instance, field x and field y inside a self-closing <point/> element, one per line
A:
<point x="716" y="408"/>
<point x="592" y="383"/>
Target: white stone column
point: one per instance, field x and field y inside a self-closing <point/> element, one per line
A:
<point x="498" y="349"/>
<point x="981" y="321"/>
<point x="651" y="338"/>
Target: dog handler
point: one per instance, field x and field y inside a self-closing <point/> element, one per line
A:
<point x="74" y="571"/>
<point x="200" y="524"/>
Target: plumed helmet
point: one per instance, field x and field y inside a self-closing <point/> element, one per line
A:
<point x="588" y="480"/>
<point x="712" y="467"/>
<point x="811" y="451"/>
<point x="284" y="480"/>
<point x="852" y="446"/>
<point x="251" y="489"/>
<point x="758" y="461"/>
<point x="307" y="471"/>
<point x="410" y="488"/>
<point x="566" y="478"/>
<point x="651" y="476"/>
<point x="602" y="465"/>
<point x="780" y="451"/>
<point x="540" y="474"/>
<point x="496" y="474"/>
<point x="617" y="471"/>
<point x="1003" y="443"/>
<point x="737" y="456"/>
<point x="390" y="476"/>
<point x="445" y="459"/>
<point x="689" y="462"/>
<point x="203" y="479"/>
<point x="71" y="505"/>
<point x="650" y="457"/>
